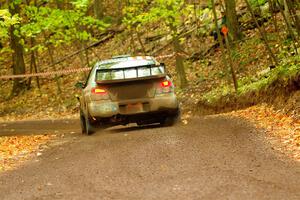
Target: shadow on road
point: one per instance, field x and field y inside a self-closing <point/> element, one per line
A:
<point x="131" y="128"/>
<point x="39" y="127"/>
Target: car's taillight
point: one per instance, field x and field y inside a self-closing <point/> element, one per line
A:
<point x="164" y="87"/>
<point x="99" y="93"/>
<point x="166" y="84"/>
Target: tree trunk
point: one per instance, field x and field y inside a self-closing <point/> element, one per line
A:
<point x="293" y="6"/>
<point x="262" y="33"/>
<point x="289" y="28"/>
<point x="81" y="57"/>
<point x="138" y="34"/>
<point x="56" y="77"/>
<point x="98" y="9"/>
<point x="179" y="63"/>
<point x="196" y="17"/>
<point x="18" y="52"/>
<point x="231" y="19"/>
<point x="232" y="70"/>
<point x="272" y="5"/>
<point x="33" y="65"/>
<point x="224" y="60"/>
<point x="286" y="12"/>
<point x="86" y="53"/>
<point x="178" y="56"/>
<point x="119" y="11"/>
<point x="59" y="4"/>
<point x="132" y="43"/>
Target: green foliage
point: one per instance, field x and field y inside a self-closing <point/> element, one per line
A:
<point x="62" y="26"/>
<point x="206" y="18"/>
<point x="256" y="3"/>
<point x="133" y="11"/>
<point x="168" y="12"/>
<point x="81" y="4"/>
<point x="47" y="24"/>
<point x="6" y="20"/>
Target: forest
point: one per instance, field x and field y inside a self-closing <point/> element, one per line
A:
<point x="224" y="55"/>
<point x="53" y="36"/>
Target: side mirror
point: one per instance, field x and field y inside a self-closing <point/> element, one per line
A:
<point x="80" y="85"/>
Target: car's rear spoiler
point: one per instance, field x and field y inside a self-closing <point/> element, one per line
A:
<point x="137" y="78"/>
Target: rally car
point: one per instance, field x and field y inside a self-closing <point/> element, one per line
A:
<point x="125" y="90"/>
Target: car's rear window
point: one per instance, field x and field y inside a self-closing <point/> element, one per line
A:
<point x="129" y="73"/>
<point x="128" y="69"/>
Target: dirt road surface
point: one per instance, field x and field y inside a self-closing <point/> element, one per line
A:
<point x="210" y="158"/>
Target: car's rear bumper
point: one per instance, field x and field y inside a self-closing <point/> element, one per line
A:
<point x="139" y="118"/>
<point x="106" y="109"/>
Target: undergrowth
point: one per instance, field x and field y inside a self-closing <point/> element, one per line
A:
<point x="288" y="70"/>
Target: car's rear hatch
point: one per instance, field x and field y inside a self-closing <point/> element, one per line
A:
<point x="131" y="90"/>
<point x="128" y="83"/>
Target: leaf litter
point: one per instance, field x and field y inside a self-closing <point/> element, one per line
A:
<point x="282" y="130"/>
<point x="15" y="150"/>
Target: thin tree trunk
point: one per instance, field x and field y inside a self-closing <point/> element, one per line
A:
<point x="140" y="41"/>
<point x="287" y="13"/>
<point x="196" y="16"/>
<point x="98" y="9"/>
<point x="120" y="14"/>
<point x="178" y="57"/>
<point x="30" y="71"/>
<point x="59" y="4"/>
<point x="232" y="70"/>
<point x="50" y="53"/>
<point x="263" y="34"/>
<point x="293" y="6"/>
<point x="272" y="11"/>
<point x="132" y="42"/>
<point x="231" y="19"/>
<point x="179" y="63"/>
<point x="86" y="52"/>
<point x="56" y="77"/>
<point x="81" y="57"/>
<point x="218" y="33"/>
<point x="33" y="64"/>
<point x="36" y="70"/>
<point x="289" y="28"/>
<point x="34" y="55"/>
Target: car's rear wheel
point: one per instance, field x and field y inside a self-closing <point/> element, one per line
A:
<point x="89" y="129"/>
<point x="82" y="123"/>
<point x="86" y="127"/>
<point x="170" y="120"/>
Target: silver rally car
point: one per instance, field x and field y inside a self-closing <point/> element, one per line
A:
<point x="125" y="90"/>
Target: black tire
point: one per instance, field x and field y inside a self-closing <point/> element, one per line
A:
<point x="86" y="127"/>
<point x="82" y="123"/>
<point x="89" y="129"/>
<point x="170" y="120"/>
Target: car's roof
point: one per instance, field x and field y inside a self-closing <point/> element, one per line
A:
<point x="126" y="62"/>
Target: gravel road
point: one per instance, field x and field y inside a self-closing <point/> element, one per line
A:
<point x="210" y="158"/>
